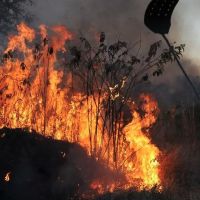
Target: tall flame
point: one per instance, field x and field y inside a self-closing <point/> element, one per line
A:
<point x="35" y="93"/>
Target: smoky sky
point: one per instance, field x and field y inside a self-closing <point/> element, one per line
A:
<point x="121" y="20"/>
<point x="118" y="18"/>
<point x="124" y="20"/>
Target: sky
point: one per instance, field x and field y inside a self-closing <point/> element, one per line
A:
<point x="187" y="16"/>
<point x="123" y="20"/>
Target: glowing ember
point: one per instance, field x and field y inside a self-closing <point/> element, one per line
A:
<point x="100" y="188"/>
<point x="35" y="93"/>
<point x="7" y="177"/>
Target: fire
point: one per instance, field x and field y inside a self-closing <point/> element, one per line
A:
<point x="7" y="177"/>
<point x="100" y="188"/>
<point x="146" y="166"/>
<point x="37" y="92"/>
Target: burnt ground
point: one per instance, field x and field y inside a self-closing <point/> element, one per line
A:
<point x="44" y="169"/>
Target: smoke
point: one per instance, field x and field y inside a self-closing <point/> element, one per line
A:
<point x="123" y="20"/>
<point x="119" y="19"/>
<point x="187" y="28"/>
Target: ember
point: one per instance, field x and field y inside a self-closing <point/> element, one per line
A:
<point x="7" y="177"/>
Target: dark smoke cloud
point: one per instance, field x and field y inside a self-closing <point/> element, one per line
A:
<point x="117" y="17"/>
<point x="120" y="19"/>
<point x="123" y="20"/>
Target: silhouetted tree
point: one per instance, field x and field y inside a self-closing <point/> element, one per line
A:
<point x="114" y="70"/>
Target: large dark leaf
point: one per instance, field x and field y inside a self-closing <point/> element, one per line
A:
<point x="158" y="15"/>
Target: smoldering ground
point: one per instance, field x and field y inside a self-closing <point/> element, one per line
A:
<point x="42" y="168"/>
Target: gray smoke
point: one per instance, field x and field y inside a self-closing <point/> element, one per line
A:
<point x="123" y="20"/>
<point x="119" y="18"/>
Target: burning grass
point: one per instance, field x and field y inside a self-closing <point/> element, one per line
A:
<point x="84" y="96"/>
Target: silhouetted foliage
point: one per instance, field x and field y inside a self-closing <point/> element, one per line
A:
<point x="114" y="70"/>
<point x="112" y="64"/>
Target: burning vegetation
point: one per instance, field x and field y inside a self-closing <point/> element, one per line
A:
<point x="77" y="94"/>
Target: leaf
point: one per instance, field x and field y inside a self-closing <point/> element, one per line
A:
<point x="145" y="78"/>
<point x="50" y="50"/>
<point x="26" y="82"/>
<point x="45" y="41"/>
<point x="86" y="43"/>
<point x="134" y="60"/>
<point x="153" y="50"/>
<point x="158" y="72"/>
<point x="102" y="37"/>
<point x="23" y="66"/>
<point x="76" y="55"/>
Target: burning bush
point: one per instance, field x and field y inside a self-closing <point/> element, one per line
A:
<point x="84" y="95"/>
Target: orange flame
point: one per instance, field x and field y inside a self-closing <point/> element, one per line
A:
<point x="146" y="165"/>
<point x="34" y="93"/>
<point x="7" y="177"/>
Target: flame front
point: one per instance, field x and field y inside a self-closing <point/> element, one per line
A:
<point x="143" y="163"/>
<point x="35" y="93"/>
